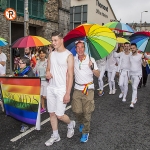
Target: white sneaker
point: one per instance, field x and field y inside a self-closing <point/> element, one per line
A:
<point x="131" y="106"/>
<point x="110" y="92"/>
<point x="120" y="95"/>
<point x="124" y="99"/>
<point x="114" y="91"/>
<point x="70" y="131"/>
<point x="52" y="140"/>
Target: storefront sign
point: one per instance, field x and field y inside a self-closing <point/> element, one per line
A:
<point x="101" y="13"/>
<point x="101" y="5"/>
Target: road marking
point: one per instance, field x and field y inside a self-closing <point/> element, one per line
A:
<point x="104" y="86"/>
<point x="33" y="128"/>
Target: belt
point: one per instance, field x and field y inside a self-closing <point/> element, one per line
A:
<point x="85" y="90"/>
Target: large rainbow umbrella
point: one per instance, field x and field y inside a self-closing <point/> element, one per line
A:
<point x="30" y="41"/>
<point x="142" y="39"/>
<point x="122" y="40"/>
<point x="122" y="27"/>
<point x="100" y="40"/>
<point x="3" y="42"/>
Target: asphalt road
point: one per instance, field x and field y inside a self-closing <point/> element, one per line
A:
<point x="114" y="126"/>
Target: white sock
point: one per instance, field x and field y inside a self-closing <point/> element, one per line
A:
<point x="55" y="133"/>
<point x="70" y="125"/>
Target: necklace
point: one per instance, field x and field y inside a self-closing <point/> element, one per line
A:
<point x="80" y="62"/>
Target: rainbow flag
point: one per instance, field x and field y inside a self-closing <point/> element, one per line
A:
<point x="21" y="97"/>
<point x="148" y="66"/>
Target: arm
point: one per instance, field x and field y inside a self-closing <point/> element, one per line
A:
<point x="95" y="69"/>
<point x="69" y="80"/>
<point x="48" y="74"/>
<point x="3" y="61"/>
<point x="96" y="73"/>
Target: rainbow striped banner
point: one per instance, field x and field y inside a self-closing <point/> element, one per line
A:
<point x="21" y="97"/>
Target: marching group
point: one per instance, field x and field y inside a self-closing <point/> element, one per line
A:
<point x="58" y="71"/>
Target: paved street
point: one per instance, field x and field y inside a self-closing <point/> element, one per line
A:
<point x="114" y="126"/>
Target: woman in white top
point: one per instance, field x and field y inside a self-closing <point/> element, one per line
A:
<point x="40" y="70"/>
<point x="101" y="63"/>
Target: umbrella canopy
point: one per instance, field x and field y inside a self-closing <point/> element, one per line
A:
<point x="122" y="40"/>
<point x="119" y="26"/>
<point x="142" y="39"/>
<point x="3" y="42"/>
<point x="100" y="40"/>
<point x="30" y="41"/>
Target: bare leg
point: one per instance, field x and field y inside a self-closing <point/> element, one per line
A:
<point x="43" y="101"/>
<point x="64" y="118"/>
<point x="54" y="121"/>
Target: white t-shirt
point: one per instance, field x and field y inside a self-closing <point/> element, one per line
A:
<point x="83" y="73"/>
<point x="3" y="68"/>
<point x="136" y="64"/>
<point x="58" y="69"/>
<point x="124" y="61"/>
<point x="111" y="62"/>
<point x="101" y="62"/>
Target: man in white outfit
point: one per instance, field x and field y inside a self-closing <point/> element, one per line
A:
<point x="101" y="63"/>
<point x="136" y="61"/>
<point x="60" y="67"/>
<point x="123" y="69"/>
<point x="111" y="67"/>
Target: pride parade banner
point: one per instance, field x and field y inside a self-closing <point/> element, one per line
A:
<point x="21" y="96"/>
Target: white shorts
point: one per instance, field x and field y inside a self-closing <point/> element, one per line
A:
<point x="55" y="101"/>
<point x="43" y="88"/>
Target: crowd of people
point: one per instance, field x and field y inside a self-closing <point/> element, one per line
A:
<point x="58" y="69"/>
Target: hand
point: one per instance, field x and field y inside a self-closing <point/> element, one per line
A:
<point x="117" y="74"/>
<point x="66" y="98"/>
<point x="91" y="65"/>
<point x="116" y="64"/>
<point x="48" y="75"/>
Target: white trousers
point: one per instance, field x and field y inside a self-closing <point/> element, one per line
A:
<point x="123" y="82"/>
<point x="100" y="79"/>
<point x="111" y="79"/>
<point x="135" y="79"/>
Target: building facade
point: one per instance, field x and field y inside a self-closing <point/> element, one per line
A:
<point x="140" y="26"/>
<point x="45" y="17"/>
<point x="90" y="11"/>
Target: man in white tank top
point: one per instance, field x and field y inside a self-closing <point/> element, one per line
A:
<point x="123" y="69"/>
<point x="136" y="61"/>
<point x="60" y="74"/>
<point x="83" y="95"/>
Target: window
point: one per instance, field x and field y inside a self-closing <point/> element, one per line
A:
<point x="78" y="15"/>
<point x="35" y="7"/>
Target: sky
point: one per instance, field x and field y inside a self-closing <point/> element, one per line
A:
<point x="129" y="11"/>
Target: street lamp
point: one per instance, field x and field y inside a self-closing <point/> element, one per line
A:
<point x="141" y="19"/>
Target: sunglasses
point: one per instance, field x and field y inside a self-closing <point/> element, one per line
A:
<point x="80" y="41"/>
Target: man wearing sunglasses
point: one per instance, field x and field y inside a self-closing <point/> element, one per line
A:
<point x="83" y="96"/>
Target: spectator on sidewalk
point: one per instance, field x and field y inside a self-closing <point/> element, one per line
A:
<point x="40" y="70"/>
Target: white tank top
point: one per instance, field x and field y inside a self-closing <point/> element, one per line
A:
<point x="58" y="69"/>
<point x="136" y="65"/>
